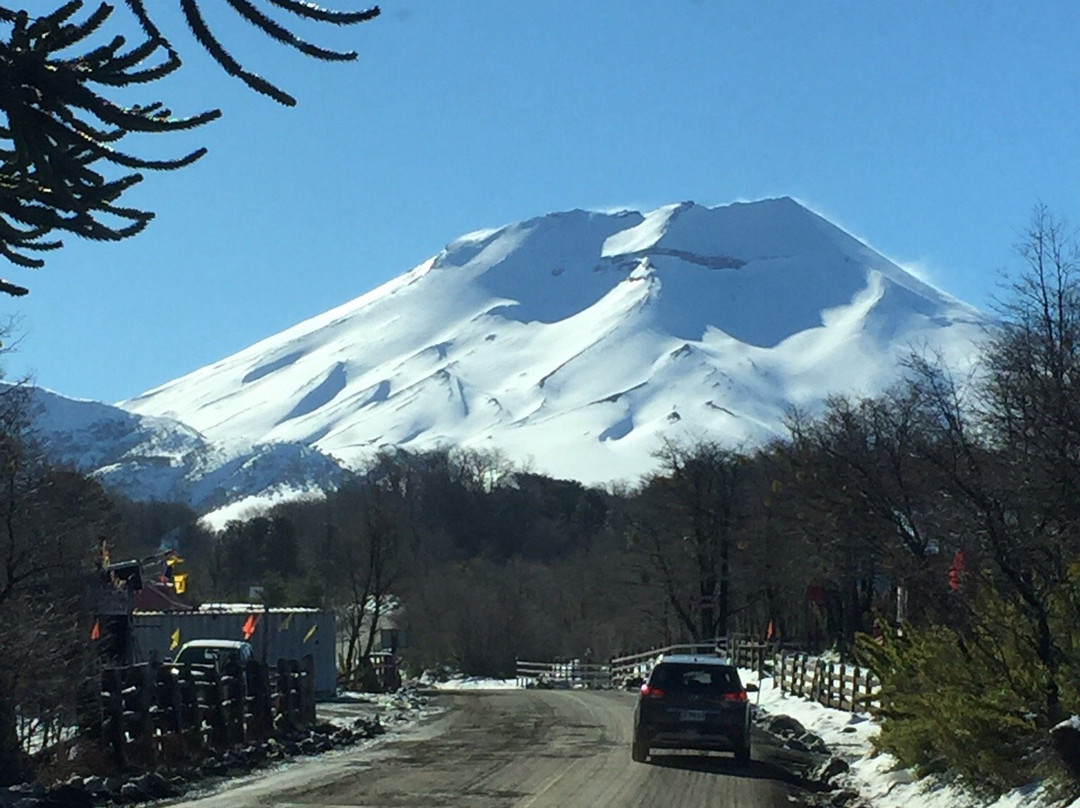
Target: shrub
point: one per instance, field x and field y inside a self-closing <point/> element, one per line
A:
<point x="970" y="700"/>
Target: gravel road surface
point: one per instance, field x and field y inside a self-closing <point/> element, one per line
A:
<point x="515" y="749"/>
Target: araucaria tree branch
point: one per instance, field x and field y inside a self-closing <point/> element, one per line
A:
<point x="61" y="167"/>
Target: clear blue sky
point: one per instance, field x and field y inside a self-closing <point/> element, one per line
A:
<point x="929" y="129"/>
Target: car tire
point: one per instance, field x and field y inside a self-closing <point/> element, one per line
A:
<point x="742" y="754"/>
<point x="639" y="749"/>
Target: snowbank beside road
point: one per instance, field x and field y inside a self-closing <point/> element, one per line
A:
<point x="877" y="777"/>
<point x="472" y="683"/>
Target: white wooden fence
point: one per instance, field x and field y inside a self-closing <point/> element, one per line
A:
<point x="834" y="684"/>
<point x="564" y="675"/>
<point x="631" y="668"/>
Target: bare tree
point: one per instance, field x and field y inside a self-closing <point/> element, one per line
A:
<point x="860" y="472"/>
<point x="50" y="522"/>
<point x="1011" y="439"/>
<point x="370" y="524"/>
<point x="685" y="528"/>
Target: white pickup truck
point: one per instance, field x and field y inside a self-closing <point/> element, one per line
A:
<point x="213" y="652"/>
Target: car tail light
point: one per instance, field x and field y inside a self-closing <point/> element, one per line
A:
<point x="648" y="692"/>
<point x="738" y="695"/>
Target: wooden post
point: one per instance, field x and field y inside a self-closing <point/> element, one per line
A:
<point x="307" y="690"/>
<point x="294" y="694"/>
<point x="260" y="711"/>
<point x="138" y="718"/>
<point x="232" y="703"/>
<point x="213" y="698"/>
<point x="112" y="711"/>
<point x="164" y="717"/>
<point x="174" y="717"/>
<point x="281" y="696"/>
<point x="127" y="714"/>
<point x="190" y="721"/>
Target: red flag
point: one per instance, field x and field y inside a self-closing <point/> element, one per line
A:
<point x="249" y="627"/>
<point x="956" y="570"/>
<point x="95" y="632"/>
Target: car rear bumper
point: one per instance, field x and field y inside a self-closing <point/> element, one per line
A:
<point x="726" y="739"/>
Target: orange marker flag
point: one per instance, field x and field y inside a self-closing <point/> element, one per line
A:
<point x="95" y="632"/>
<point x="769" y="631"/>
<point x="249" y="627"/>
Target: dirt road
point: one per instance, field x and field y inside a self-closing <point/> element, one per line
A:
<point x="516" y="749"/>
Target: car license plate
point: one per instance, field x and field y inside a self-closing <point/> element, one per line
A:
<point x="693" y="715"/>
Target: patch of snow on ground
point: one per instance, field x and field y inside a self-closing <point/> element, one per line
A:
<point x="398" y="711"/>
<point x="475" y="683"/>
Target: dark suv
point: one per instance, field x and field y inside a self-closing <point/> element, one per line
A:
<point x="693" y="702"/>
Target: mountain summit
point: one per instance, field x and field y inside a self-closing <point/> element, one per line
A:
<point x="576" y="342"/>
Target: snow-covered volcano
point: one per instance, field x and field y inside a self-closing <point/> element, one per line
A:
<point x="577" y="341"/>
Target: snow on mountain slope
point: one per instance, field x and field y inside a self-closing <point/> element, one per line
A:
<point x="149" y="457"/>
<point x="577" y="341"/>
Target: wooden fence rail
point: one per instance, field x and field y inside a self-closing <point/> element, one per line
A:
<point x="628" y="669"/>
<point x="563" y="675"/>
<point x="155" y="712"/>
<point x="632" y="668"/>
<point x="745" y="653"/>
<point x="833" y="684"/>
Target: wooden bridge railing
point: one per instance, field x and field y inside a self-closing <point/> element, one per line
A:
<point x="834" y="684"/>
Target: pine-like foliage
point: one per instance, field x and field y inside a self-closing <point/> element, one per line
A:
<point x="970" y="697"/>
<point x="252" y="14"/>
<point x="60" y="166"/>
<point x="59" y="132"/>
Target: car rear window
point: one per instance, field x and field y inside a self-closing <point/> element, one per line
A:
<point x="676" y="677"/>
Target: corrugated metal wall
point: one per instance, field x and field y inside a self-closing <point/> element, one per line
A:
<point x="279" y="634"/>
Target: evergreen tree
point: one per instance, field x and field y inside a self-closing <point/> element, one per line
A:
<point x="60" y="168"/>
